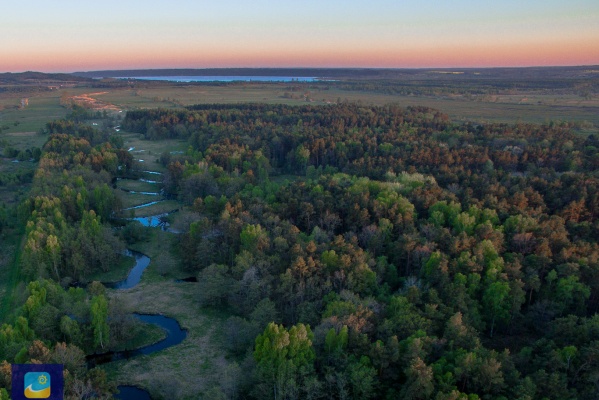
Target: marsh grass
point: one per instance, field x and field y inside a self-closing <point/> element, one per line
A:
<point x="156" y="209"/>
<point x="185" y="370"/>
<point x="134" y="199"/>
<point x="164" y="265"/>
<point x="117" y="272"/>
<point x="145" y="334"/>
<point x="138" y="186"/>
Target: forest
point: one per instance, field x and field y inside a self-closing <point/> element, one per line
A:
<point x="361" y="252"/>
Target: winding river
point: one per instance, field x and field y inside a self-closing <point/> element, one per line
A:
<point x="174" y="333"/>
<point x="141" y="263"/>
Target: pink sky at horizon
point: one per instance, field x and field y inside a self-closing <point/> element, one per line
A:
<point x="66" y="36"/>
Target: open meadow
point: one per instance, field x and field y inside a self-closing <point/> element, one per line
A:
<point x="528" y="105"/>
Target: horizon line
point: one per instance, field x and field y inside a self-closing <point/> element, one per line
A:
<point x="308" y="68"/>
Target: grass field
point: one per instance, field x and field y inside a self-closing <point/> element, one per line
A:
<point x="164" y="265"/>
<point x="510" y="107"/>
<point x="43" y="107"/>
<point x="184" y="371"/>
<point x="117" y="272"/>
<point x="159" y="208"/>
<point x="150" y="150"/>
<point x="134" y="199"/>
<point x="166" y="374"/>
<point x="138" y="186"/>
<point x="526" y="107"/>
<point x="145" y="334"/>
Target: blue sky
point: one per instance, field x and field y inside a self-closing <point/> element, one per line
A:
<point x="68" y="35"/>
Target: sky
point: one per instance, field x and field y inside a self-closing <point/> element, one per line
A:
<point x="81" y="35"/>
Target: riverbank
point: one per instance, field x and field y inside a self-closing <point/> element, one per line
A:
<point x="188" y="368"/>
<point x="183" y="371"/>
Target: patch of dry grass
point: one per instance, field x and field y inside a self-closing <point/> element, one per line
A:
<point x="183" y="218"/>
<point x="183" y="371"/>
<point x="134" y="199"/>
<point x="117" y="272"/>
<point x="138" y="186"/>
<point x="164" y="266"/>
<point x="157" y="209"/>
<point x="189" y="369"/>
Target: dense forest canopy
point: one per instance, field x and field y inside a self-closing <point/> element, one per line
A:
<point x="363" y="252"/>
<point x="439" y="260"/>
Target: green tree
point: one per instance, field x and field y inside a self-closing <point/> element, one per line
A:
<point x="214" y="285"/>
<point x="496" y="303"/>
<point x="254" y="238"/>
<point x="362" y="379"/>
<point x="99" y="314"/>
<point x="285" y="359"/>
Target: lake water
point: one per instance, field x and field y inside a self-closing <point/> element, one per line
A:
<point x="224" y="78"/>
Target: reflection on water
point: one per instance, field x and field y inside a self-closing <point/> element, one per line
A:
<point x="131" y="393"/>
<point x="174" y="336"/>
<point x="152" y="221"/>
<point x="135" y="192"/>
<point x="174" y="333"/>
<point x="142" y="205"/>
<point x="190" y="279"/>
<point x="141" y="263"/>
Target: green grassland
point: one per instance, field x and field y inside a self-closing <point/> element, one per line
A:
<point x="536" y="106"/>
<point x="134" y="199"/>
<point x="164" y="264"/>
<point x="137" y="186"/>
<point x="166" y="374"/>
<point x="524" y="107"/>
<point x="117" y="272"/>
<point x="152" y="149"/>
<point x="145" y="335"/>
<point x="20" y="126"/>
<point x="158" y="208"/>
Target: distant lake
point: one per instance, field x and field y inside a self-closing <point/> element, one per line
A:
<point x="224" y="78"/>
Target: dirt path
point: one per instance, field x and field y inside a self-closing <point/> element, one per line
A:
<point x="87" y="101"/>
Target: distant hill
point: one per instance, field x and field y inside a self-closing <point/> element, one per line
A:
<point x="294" y="72"/>
<point x="535" y="73"/>
<point x="31" y="77"/>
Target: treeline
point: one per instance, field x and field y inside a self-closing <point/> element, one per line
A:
<point x="68" y="237"/>
<point x="404" y="257"/>
<point x="70" y="204"/>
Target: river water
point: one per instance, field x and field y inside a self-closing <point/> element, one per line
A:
<point x="174" y="333"/>
<point x="141" y="263"/>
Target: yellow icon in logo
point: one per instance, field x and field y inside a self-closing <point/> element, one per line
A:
<point x="37" y="385"/>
